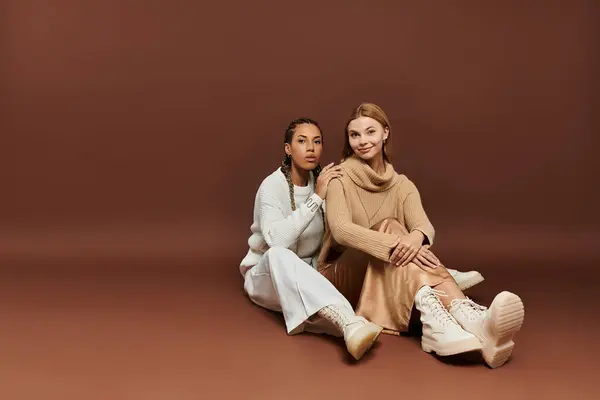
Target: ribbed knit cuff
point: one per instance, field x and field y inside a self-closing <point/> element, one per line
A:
<point x="313" y="202"/>
<point x="427" y="235"/>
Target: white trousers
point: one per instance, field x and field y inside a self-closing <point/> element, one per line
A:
<point x="283" y="282"/>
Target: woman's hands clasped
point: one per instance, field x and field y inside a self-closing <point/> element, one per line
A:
<point x="409" y="248"/>
<point x="426" y="259"/>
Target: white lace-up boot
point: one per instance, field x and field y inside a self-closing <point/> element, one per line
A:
<point x="359" y="334"/>
<point x="441" y="332"/>
<point x="495" y="326"/>
<point x="466" y="280"/>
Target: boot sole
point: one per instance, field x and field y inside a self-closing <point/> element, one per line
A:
<point x="469" y="283"/>
<point x="362" y="340"/>
<point x="507" y="316"/>
<point x="450" y="349"/>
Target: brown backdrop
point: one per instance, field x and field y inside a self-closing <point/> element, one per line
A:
<point x="133" y="135"/>
<point x="147" y="126"/>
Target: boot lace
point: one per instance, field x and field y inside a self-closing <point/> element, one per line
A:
<point x="469" y="308"/>
<point x="337" y="315"/>
<point x="437" y="308"/>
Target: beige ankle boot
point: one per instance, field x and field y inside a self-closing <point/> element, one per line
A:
<point x="466" y="280"/>
<point x="441" y="332"/>
<point x="359" y="334"/>
<point x="495" y="326"/>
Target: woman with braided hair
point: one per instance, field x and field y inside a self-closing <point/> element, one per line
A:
<point x="280" y="267"/>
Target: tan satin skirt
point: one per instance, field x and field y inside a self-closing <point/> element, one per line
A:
<point x="378" y="291"/>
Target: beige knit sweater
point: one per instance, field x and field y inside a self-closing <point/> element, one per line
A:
<point x="360" y="199"/>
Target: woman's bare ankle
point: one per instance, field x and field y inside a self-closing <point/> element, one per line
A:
<point x="451" y="291"/>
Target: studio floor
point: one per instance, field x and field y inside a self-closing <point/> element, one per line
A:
<point x="160" y="330"/>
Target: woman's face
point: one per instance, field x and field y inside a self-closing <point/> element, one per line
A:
<point x="306" y="147"/>
<point x="366" y="137"/>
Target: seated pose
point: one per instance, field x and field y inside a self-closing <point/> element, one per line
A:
<point x="376" y="252"/>
<point x="280" y="267"/>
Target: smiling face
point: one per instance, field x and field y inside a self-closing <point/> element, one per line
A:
<point x="305" y="146"/>
<point x="368" y="134"/>
<point x="366" y="137"/>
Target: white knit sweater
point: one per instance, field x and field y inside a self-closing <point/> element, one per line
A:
<point x="276" y="225"/>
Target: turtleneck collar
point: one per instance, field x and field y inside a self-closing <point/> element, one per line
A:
<point x="365" y="177"/>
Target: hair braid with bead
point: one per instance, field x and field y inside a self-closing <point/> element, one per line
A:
<point x="286" y="164"/>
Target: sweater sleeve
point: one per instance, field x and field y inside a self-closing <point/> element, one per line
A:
<point x="415" y="217"/>
<point x="349" y="234"/>
<point x="277" y="229"/>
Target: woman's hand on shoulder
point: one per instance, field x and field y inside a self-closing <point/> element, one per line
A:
<point x="329" y="172"/>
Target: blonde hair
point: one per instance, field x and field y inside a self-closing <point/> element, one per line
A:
<point x="372" y="111"/>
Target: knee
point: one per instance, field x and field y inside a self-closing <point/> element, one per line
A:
<point x="414" y="271"/>
<point x="279" y="253"/>
<point x="282" y="260"/>
<point x="390" y="225"/>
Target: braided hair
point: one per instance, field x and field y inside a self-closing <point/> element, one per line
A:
<point x="286" y="164"/>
